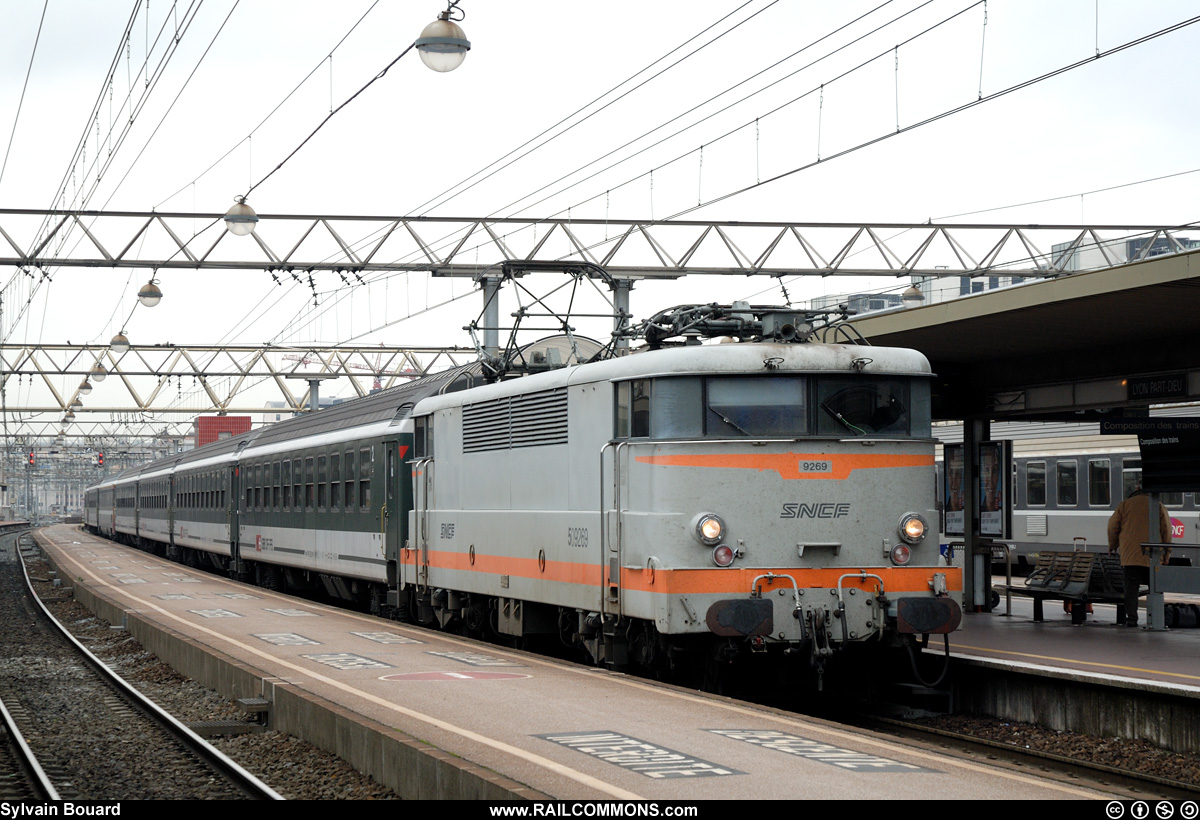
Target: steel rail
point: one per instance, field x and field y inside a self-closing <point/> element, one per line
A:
<point x="250" y="785"/>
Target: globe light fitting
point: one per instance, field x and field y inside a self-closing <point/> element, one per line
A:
<point x="240" y="220"/>
<point x="120" y="343"/>
<point x="85" y="387"/>
<point x="149" y="295"/>
<point x="98" y="373"/>
<point x="912" y="296"/>
<point x="443" y="44"/>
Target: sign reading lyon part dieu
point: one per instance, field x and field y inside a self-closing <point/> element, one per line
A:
<point x="1166" y="386"/>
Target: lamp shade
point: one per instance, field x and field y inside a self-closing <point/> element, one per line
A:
<point x="240" y="220"/>
<point x="443" y="45"/>
<point x="149" y="295"/>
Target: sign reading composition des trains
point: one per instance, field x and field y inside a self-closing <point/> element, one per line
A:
<point x="1170" y="451"/>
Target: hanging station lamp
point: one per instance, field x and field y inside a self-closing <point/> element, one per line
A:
<point x="443" y="45"/>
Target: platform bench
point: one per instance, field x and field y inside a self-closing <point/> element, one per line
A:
<point x="1080" y="578"/>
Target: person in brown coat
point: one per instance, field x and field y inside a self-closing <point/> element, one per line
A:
<point x="1128" y="529"/>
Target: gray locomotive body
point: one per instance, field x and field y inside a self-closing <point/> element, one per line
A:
<point x="761" y="496"/>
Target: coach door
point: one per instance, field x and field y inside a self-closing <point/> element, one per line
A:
<point x="392" y="516"/>
<point x="171" y="506"/>
<point x="232" y="496"/>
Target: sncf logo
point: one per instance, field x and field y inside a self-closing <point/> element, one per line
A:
<point x="822" y="510"/>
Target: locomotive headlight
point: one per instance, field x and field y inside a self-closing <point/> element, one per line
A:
<point x="912" y="528"/>
<point x="708" y="528"/>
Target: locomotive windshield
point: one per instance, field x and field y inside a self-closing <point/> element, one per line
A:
<point x="862" y="408"/>
<point x="772" y="406"/>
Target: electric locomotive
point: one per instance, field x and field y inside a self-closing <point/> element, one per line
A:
<point x="689" y="503"/>
<point x="674" y="508"/>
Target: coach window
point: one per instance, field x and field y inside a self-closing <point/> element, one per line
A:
<point x="322" y="482"/>
<point x="335" y="480"/>
<point x="275" y="492"/>
<point x="285" y="479"/>
<point x="365" y="469"/>
<point x="1035" y="484"/>
<point x="309" y="493"/>
<point x="298" y="484"/>
<point x="1099" y="483"/>
<point x="351" y="500"/>
<point x="1067" y="481"/>
<point x="1131" y="476"/>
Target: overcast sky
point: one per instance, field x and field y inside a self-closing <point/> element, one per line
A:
<point x="414" y="134"/>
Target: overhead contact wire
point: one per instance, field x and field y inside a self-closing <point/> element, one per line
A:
<point x="24" y="86"/>
<point x="951" y="112"/>
<point x="274" y="110"/>
<point x="585" y="107"/>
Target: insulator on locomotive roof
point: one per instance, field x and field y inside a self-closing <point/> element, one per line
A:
<point x="738" y="320"/>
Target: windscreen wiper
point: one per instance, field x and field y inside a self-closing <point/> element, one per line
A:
<point x="858" y="431"/>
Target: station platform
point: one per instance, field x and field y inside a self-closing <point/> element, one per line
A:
<point x="436" y="716"/>
<point x="1098" y="647"/>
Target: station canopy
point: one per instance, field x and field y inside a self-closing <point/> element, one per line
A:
<point x="1079" y="347"/>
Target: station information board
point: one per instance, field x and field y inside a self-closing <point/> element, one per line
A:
<point x="1170" y="451"/>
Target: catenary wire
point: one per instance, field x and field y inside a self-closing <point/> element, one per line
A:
<point x="593" y="102"/>
<point x="711" y="141"/>
<point x="942" y="115"/>
<point x="713" y="114"/>
<point x="951" y="112"/>
<point x="151" y="85"/>
<point x="274" y="110"/>
<point x="24" y="86"/>
<point x="95" y="108"/>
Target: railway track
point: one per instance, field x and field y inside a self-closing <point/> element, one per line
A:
<point x="1046" y="762"/>
<point x="21" y="776"/>
<point x="96" y="737"/>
